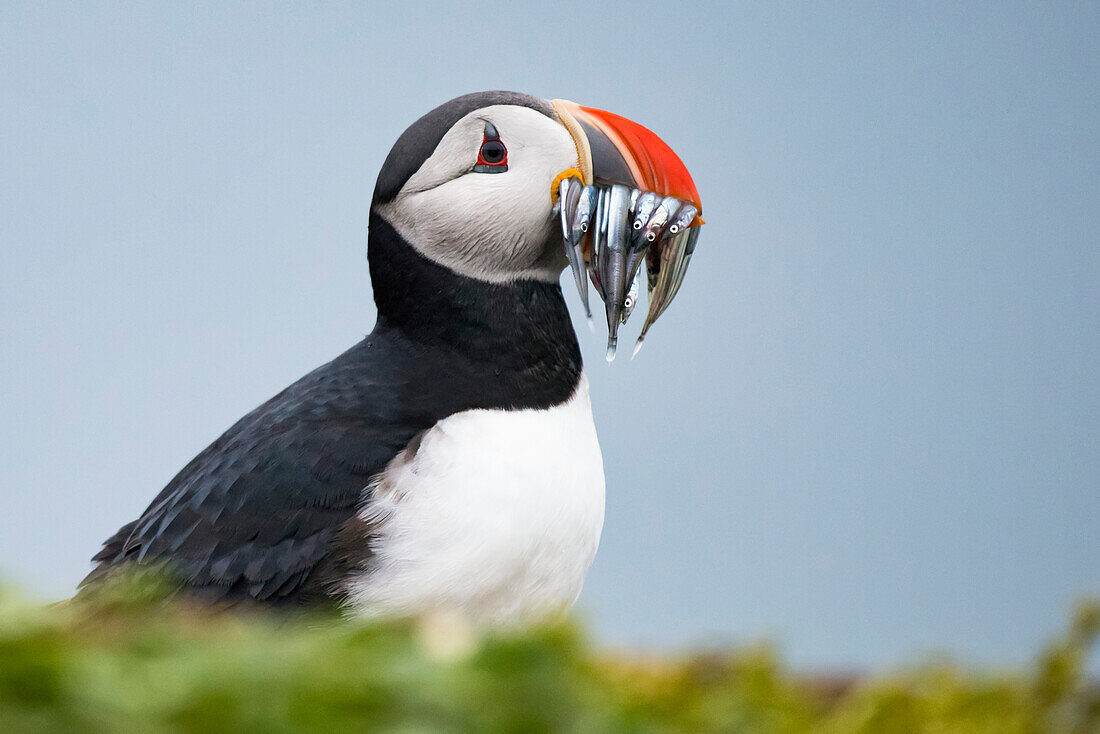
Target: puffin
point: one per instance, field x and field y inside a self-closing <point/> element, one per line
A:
<point x="449" y="460"/>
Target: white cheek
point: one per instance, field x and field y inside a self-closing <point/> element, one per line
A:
<point x="491" y="226"/>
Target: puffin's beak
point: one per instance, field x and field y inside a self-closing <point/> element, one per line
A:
<point x="643" y="205"/>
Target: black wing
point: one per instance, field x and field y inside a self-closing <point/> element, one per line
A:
<point x="257" y="513"/>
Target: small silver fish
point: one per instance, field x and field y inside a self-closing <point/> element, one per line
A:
<point x="661" y="216"/>
<point x="569" y="194"/>
<point x="631" y="299"/>
<point x="599" y="240"/>
<point x="568" y="198"/>
<point x="672" y="250"/>
<point x="683" y="219"/>
<point x="582" y="218"/>
<point x="586" y="206"/>
<point x="682" y="266"/>
<point x="613" y="259"/>
<point x="638" y="244"/>
<point x="643" y="209"/>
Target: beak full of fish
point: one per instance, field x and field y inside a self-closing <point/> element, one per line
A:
<point x="614" y="233"/>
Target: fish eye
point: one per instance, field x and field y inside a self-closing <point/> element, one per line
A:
<point x="493" y="155"/>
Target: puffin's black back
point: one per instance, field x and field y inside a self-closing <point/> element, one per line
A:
<point x="268" y="511"/>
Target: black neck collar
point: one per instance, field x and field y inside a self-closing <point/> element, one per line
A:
<point x="518" y="333"/>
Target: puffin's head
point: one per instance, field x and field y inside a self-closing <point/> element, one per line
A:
<point x="474" y="185"/>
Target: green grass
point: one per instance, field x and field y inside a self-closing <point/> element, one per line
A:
<point x="128" y="659"/>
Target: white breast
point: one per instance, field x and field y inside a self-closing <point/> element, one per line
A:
<point x="495" y="514"/>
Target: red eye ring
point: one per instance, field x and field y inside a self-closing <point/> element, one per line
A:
<point x="492" y="157"/>
<point x="492" y="153"/>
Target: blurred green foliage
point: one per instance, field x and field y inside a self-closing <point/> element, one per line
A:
<point x="128" y="658"/>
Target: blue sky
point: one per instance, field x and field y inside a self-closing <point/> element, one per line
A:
<point x="869" y="427"/>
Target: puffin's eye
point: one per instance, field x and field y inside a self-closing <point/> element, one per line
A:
<point x="493" y="152"/>
<point x="493" y="156"/>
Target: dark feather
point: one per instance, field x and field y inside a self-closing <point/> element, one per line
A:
<point x="268" y="511"/>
